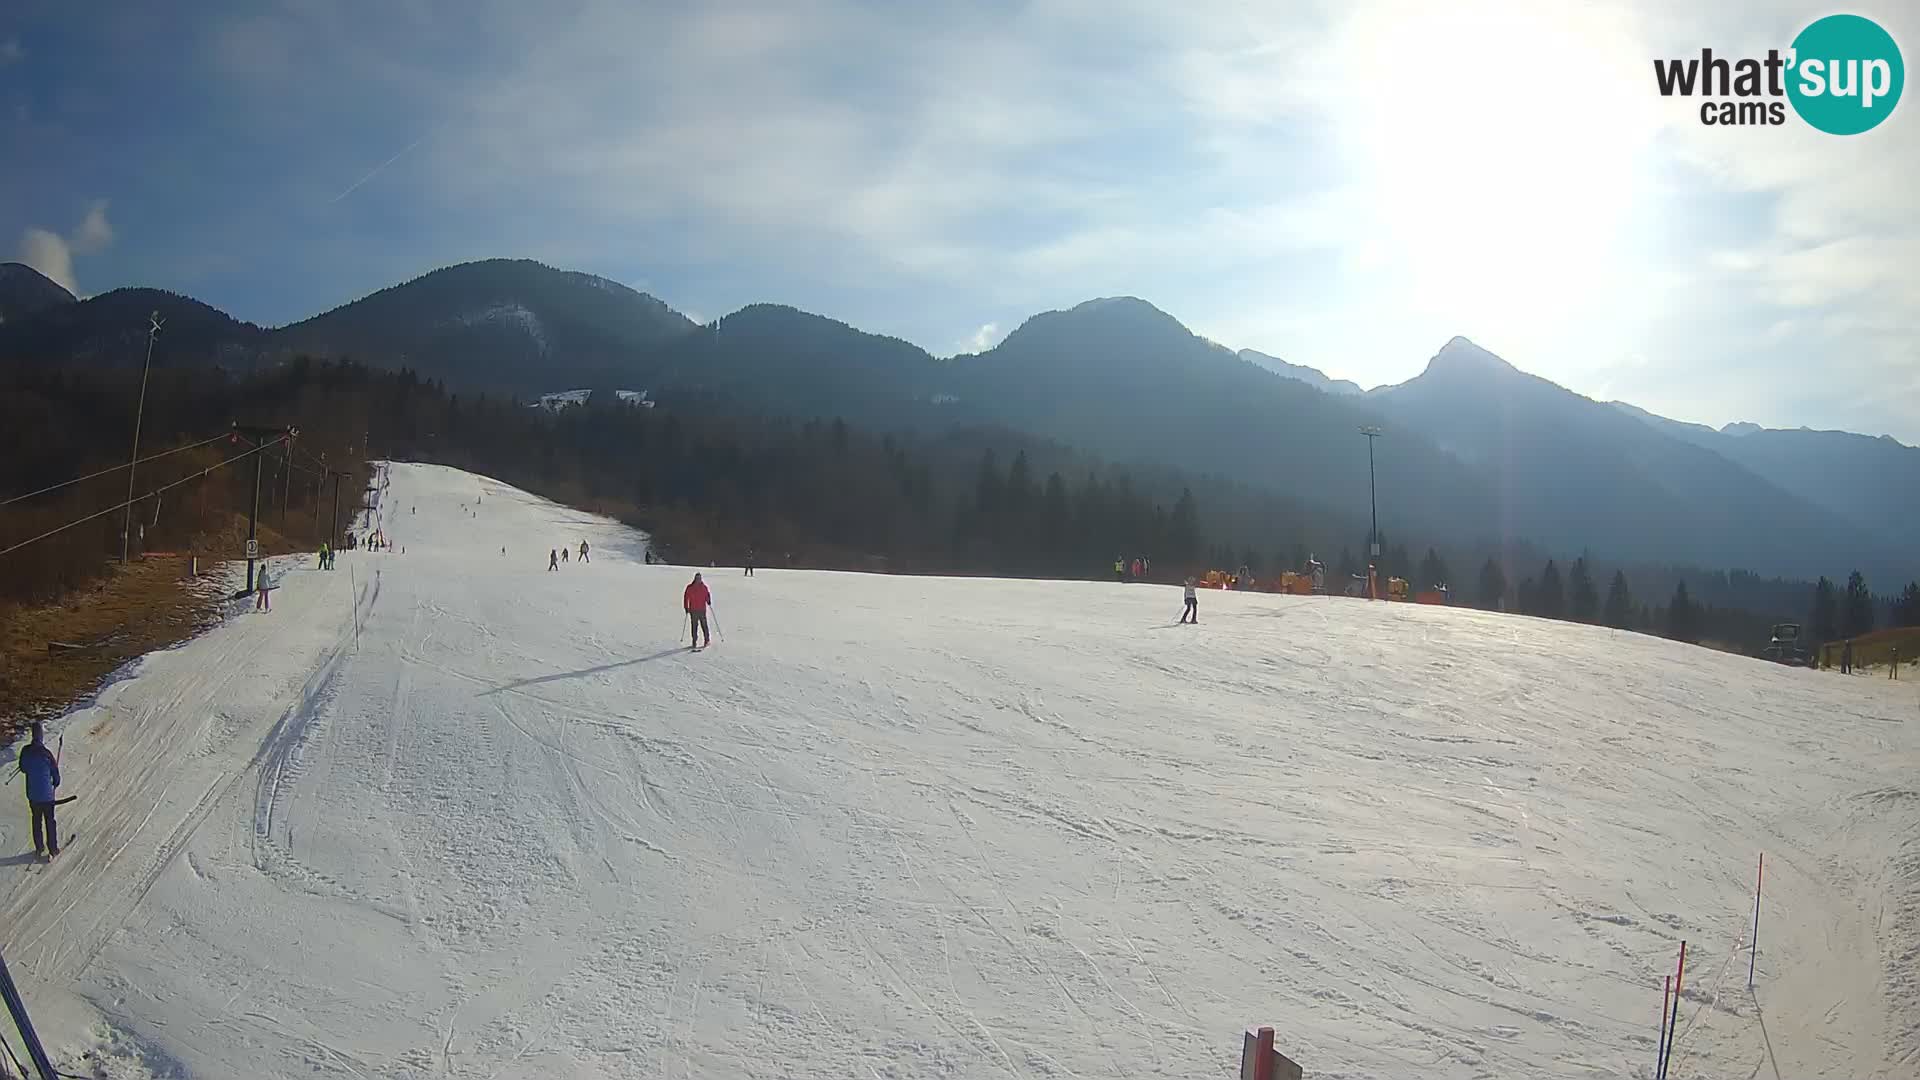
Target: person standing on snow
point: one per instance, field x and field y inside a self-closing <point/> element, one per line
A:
<point x="583" y="552"/>
<point x="697" y="599"/>
<point x="1120" y="570"/>
<point x="1192" y="613"/>
<point x="553" y="559"/>
<point x="262" y="591"/>
<point x="749" y="566"/>
<point x="42" y="771"/>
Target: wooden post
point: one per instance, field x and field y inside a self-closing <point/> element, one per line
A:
<point x="1260" y="1061"/>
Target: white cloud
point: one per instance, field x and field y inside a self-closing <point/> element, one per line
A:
<point x="52" y="254"/>
<point x="986" y="337"/>
<point x="95" y="233"/>
<point x="1347" y="182"/>
<point x="48" y="253"/>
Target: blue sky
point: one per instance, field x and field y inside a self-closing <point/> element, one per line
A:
<point x="1345" y="185"/>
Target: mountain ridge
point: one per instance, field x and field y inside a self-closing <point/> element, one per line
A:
<point x="1115" y="375"/>
<point x="1313" y="377"/>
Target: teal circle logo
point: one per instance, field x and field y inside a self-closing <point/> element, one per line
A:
<point x="1847" y="74"/>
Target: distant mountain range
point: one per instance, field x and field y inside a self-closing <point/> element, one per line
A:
<point x="1475" y="450"/>
<point x="1871" y="480"/>
<point x="498" y="324"/>
<point x="1313" y="377"/>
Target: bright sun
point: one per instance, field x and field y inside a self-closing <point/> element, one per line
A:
<point x="1501" y="146"/>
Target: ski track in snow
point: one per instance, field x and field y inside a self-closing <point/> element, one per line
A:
<point x="901" y="827"/>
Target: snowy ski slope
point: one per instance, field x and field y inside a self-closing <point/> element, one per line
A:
<point x="445" y="813"/>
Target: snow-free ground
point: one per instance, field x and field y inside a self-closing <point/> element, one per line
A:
<point x="447" y="813"/>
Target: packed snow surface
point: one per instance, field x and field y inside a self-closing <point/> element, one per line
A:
<point x="448" y="813"/>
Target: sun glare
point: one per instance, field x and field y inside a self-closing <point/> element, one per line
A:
<point x="1501" y="147"/>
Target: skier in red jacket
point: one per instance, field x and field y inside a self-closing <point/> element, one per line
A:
<point x="697" y="600"/>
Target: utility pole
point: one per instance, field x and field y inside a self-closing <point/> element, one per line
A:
<point x="318" y="486"/>
<point x="1373" y="501"/>
<point x="139" y="412"/>
<point x="286" y="487"/>
<point x="258" y="436"/>
<point x="334" y="536"/>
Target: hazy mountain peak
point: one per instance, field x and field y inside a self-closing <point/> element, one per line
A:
<point x="1461" y="356"/>
<point x="1130" y="304"/>
<point x="1740" y="428"/>
<point x="1122" y="320"/>
<point x="1313" y="377"/>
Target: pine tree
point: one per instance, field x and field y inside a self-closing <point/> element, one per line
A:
<point x="1906" y="610"/>
<point x="1858" y="611"/>
<point x="1683" y="622"/>
<point x="1620" y="610"/>
<point x="1583" y="601"/>
<point x="1823" y="624"/>
<point x="986" y="491"/>
<point x="1056" y="525"/>
<point x="1019" y="485"/>
<point x="1528" y="597"/>
<point x="1433" y="571"/>
<point x="1399" y="564"/>
<point x="1015" y="532"/>
<point x="1183" y="540"/>
<point x="1493" y="587"/>
<point x="1551" y="599"/>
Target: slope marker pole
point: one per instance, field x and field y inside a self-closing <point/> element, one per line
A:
<point x="1673" y="1020"/>
<point x="1753" y="956"/>
<point x="1666" y="996"/>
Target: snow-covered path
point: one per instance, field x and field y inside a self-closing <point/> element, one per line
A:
<point x="508" y="827"/>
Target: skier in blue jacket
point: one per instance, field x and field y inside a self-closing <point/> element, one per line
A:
<point x="42" y="771"/>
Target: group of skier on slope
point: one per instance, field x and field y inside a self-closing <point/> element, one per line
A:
<point x="556" y="556"/>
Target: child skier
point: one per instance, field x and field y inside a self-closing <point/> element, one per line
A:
<point x="1192" y="613"/>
